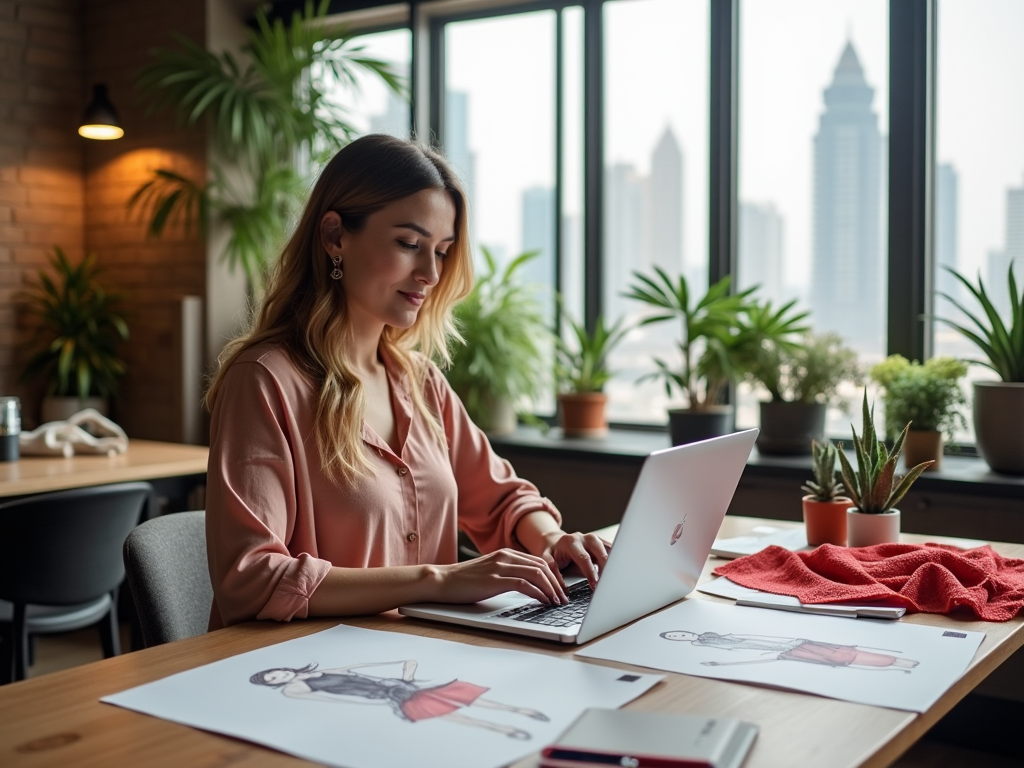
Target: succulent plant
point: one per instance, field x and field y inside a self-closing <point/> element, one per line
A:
<point x="875" y="488"/>
<point x="825" y="486"/>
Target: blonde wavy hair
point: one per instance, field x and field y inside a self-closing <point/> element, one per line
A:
<point x="306" y="311"/>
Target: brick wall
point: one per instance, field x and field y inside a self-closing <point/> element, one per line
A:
<point x="41" y="160"/>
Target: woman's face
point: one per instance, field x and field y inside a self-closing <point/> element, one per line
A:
<point x="278" y="676"/>
<point x="680" y="636"/>
<point x="393" y="262"/>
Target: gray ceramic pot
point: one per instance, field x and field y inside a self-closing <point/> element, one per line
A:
<point x="999" y="425"/>
<point x="686" y="426"/>
<point x="787" y="429"/>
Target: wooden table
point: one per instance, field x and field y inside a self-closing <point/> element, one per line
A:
<point x="58" y="719"/>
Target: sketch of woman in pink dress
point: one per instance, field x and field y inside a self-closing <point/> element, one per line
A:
<point x="794" y="649"/>
<point x="406" y="696"/>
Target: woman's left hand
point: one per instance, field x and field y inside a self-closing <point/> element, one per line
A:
<point x="587" y="551"/>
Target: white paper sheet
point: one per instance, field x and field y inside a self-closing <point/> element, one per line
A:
<point x="886" y="664"/>
<point x="487" y="707"/>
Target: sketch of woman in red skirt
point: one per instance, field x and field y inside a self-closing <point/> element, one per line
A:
<point x="794" y="649"/>
<point x="408" y="699"/>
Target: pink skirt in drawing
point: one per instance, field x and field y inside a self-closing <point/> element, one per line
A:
<point x="836" y="655"/>
<point x="435" y="702"/>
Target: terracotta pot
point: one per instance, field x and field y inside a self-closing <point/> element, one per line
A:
<point x="787" y="429"/>
<point x="686" y="426"/>
<point x="583" y="414"/>
<point x="999" y="424"/>
<point x="826" y="521"/>
<point x="922" y="445"/>
<point x="864" y="530"/>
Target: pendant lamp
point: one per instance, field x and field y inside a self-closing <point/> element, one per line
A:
<point x="100" y="118"/>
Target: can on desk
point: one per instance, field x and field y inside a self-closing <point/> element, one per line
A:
<point x="10" y="428"/>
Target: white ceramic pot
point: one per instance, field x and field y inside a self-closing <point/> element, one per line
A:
<point x="863" y="530"/>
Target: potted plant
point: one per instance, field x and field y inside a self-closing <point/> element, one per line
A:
<point x="825" y="505"/>
<point x="502" y="327"/>
<point x="720" y="334"/>
<point x="79" y="328"/>
<point x="582" y="371"/>
<point x="998" y="405"/>
<point x="927" y="397"/>
<point x="802" y="380"/>
<point x="874" y="487"/>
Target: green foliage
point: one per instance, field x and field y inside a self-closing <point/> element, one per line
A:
<point x="79" y="330"/>
<point x="1003" y="344"/>
<point x="502" y="327"/>
<point x="262" y="115"/>
<point x="825" y="486"/>
<point x="874" y="487"/>
<point x="807" y="371"/>
<point x="722" y="333"/>
<point x="582" y="366"/>
<point x="927" y="396"/>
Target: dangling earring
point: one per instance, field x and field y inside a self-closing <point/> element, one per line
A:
<point x="336" y="273"/>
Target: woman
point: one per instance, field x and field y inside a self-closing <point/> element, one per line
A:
<point x="409" y="699"/>
<point x="341" y="462"/>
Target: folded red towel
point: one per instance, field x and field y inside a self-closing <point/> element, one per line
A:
<point x="930" y="578"/>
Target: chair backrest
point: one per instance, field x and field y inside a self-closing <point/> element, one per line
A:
<point x="169" y="577"/>
<point x="64" y="548"/>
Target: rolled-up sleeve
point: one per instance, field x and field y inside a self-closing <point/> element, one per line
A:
<point x="492" y="498"/>
<point x="251" y="504"/>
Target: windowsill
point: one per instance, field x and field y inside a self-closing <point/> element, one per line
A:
<point x="958" y="473"/>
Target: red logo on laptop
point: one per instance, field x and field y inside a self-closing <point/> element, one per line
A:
<point x="678" y="532"/>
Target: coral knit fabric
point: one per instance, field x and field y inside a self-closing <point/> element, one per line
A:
<point x="929" y="578"/>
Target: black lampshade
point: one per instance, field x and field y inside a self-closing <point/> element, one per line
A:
<point x="100" y="119"/>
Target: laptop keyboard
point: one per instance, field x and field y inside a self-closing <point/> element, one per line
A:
<point x="569" y="615"/>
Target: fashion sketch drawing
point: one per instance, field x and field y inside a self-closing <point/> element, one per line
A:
<point x="410" y="699"/>
<point x="767" y="649"/>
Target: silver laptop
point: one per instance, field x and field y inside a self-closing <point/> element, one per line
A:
<point x="667" y="530"/>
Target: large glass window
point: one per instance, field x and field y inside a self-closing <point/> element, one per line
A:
<point x="812" y="167"/>
<point x="979" y="178"/>
<point x="656" y="170"/>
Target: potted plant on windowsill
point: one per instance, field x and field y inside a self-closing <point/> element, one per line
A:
<point x="802" y="380"/>
<point x="721" y="333"/>
<point x="925" y="396"/>
<point x="80" y="327"/>
<point x="582" y="371"/>
<point x="998" y="405"/>
<point x="874" y="487"/>
<point x="825" y="506"/>
<point x="499" y="361"/>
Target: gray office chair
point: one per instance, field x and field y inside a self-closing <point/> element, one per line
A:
<point x="60" y="567"/>
<point x="169" y="578"/>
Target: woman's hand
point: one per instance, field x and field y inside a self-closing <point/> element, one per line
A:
<point x="503" y="571"/>
<point x="587" y="551"/>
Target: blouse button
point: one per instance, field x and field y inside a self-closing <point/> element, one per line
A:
<point x="412" y="537"/>
<point x="402" y="471"/>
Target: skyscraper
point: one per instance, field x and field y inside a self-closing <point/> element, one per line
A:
<point x="760" y="249"/>
<point x="663" y="206"/>
<point x="539" y="234"/>
<point x="999" y="261"/>
<point x="395" y="120"/>
<point x="623" y="235"/>
<point x="946" y="235"/>
<point x="456" y="145"/>
<point x="848" y="285"/>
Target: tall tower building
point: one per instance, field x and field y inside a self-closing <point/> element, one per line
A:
<point x="539" y="234"/>
<point x="847" y="286"/>
<point x="999" y="261"/>
<point x="456" y="145"/>
<point x="396" y="120"/>
<point x="760" y="249"/>
<point x="947" y="204"/>
<point x="623" y="236"/>
<point x="663" y="206"/>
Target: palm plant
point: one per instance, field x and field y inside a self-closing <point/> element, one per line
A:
<point x="79" y="330"/>
<point x="874" y="488"/>
<point x="582" y="366"/>
<point x="263" y="114"/>
<point x="825" y="486"/>
<point x="502" y="327"/>
<point x="1002" y="343"/>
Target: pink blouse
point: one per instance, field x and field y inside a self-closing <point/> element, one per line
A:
<point x="275" y="523"/>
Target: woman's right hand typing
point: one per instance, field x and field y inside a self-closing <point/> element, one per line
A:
<point x="505" y="570"/>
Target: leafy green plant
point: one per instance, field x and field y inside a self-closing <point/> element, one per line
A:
<point x="874" y="487"/>
<point x="79" y="329"/>
<point x="1002" y="343"/>
<point x="582" y="365"/>
<point x="262" y="115"/>
<point x="721" y="333"/>
<point x="825" y="486"/>
<point x="503" y="329"/>
<point x="927" y="396"/>
<point x="809" y="371"/>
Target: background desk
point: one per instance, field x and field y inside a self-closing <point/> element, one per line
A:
<point x="58" y="719"/>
